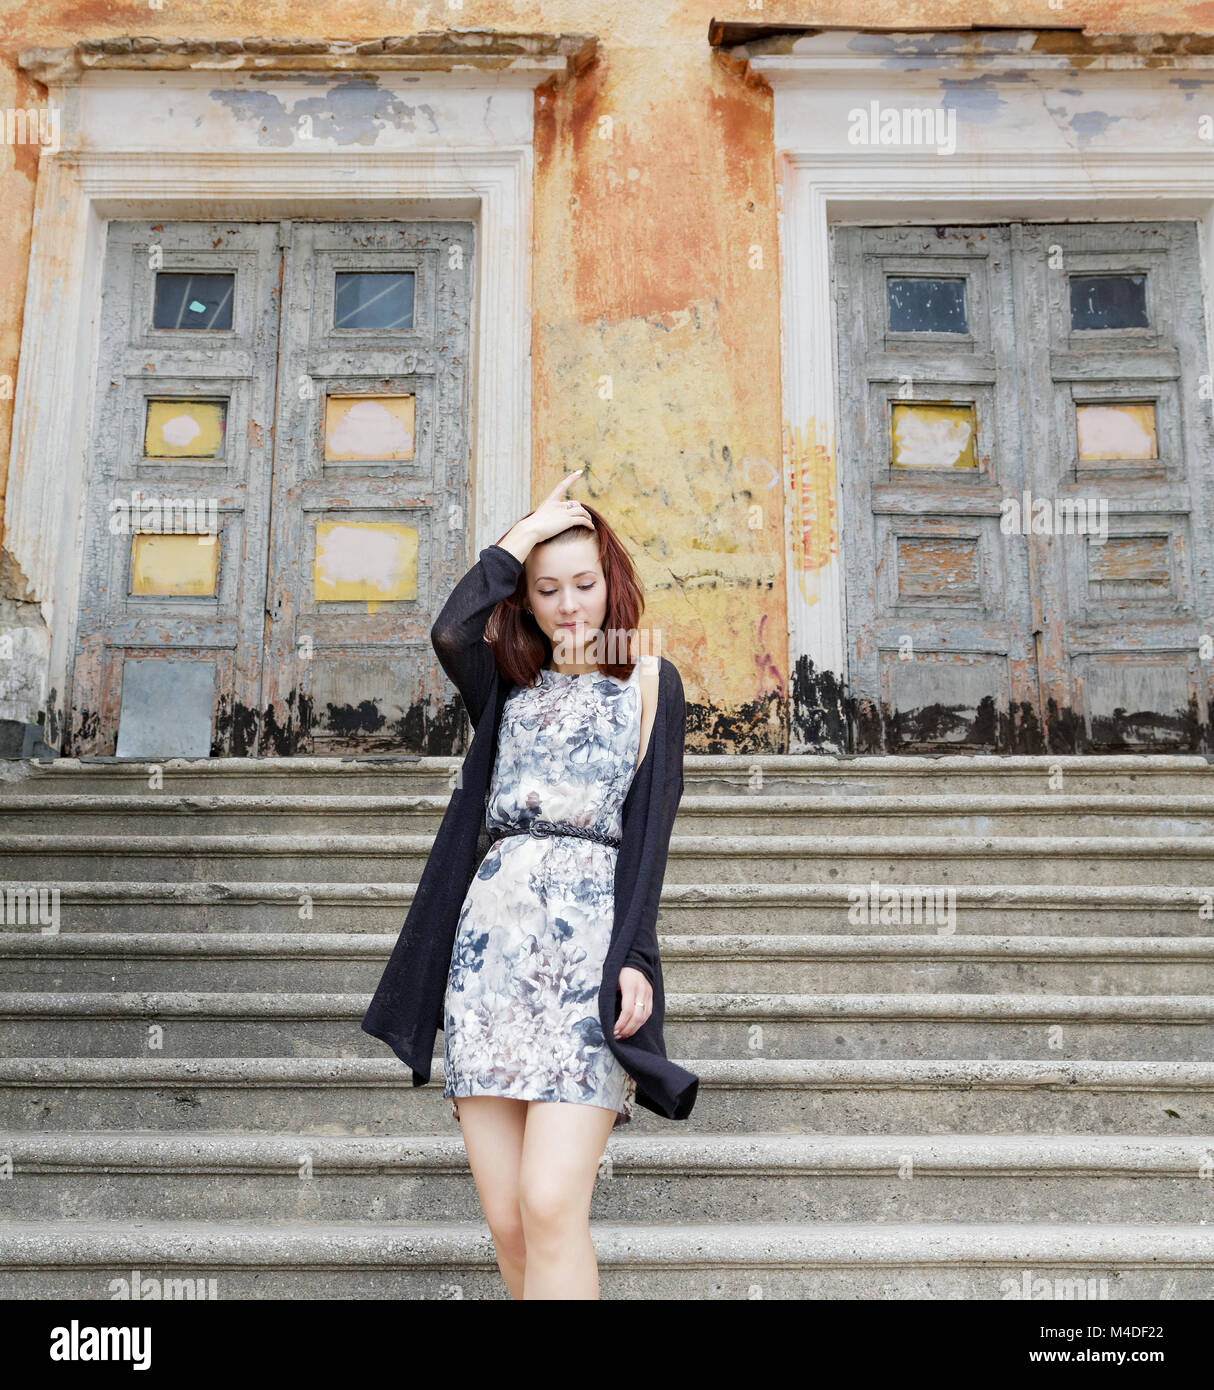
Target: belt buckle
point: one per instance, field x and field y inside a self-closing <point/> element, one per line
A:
<point x="539" y="834"/>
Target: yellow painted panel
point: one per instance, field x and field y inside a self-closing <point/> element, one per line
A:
<point x="929" y="434"/>
<point x="1117" y="430"/>
<point x="371" y="561"/>
<point x="174" y="565"/>
<point x="185" y="429"/>
<point x="369" y="427"/>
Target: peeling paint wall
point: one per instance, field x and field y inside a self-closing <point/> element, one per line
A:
<point x="656" y="300"/>
<point x="656" y="359"/>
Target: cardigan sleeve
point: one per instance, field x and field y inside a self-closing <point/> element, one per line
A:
<point x="458" y="633"/>
<point x="643" y="953"/>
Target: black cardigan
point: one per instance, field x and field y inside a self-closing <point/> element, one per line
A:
<point x="406" y="1011"/>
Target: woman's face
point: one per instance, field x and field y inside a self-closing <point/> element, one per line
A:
<point x="568" y="595"/>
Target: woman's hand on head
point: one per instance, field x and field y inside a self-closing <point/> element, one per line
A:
<point x="637" y="1002"/>
<point x="557" y="512"/>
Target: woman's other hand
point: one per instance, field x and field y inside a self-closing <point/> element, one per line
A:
<point x="637" y="1005"/>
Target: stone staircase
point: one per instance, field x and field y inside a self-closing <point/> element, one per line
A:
<point x="1018" y="1099"/>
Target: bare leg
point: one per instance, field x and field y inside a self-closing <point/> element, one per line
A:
<point x="562" y="1146"/>
<point x="493" y="1139"/>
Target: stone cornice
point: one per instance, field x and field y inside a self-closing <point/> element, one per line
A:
<point x="783" y="52"/>
<point x="534" y="56"/>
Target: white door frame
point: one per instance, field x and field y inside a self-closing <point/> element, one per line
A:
<point x="199" y="161"/>
<point x="1109" y="137"/>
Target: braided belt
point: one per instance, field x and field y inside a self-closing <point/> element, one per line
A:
<point x="541" y="829"/>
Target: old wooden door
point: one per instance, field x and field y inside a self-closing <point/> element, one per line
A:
<point x="172" y="591"/>
<point x="370" y="476"/>
<point x="1118" y="379"/>
<point x="1025" y="486"/>
<point x="278" y="486"/>
<point x="930" y="441"/>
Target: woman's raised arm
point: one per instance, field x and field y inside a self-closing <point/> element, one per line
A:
<point x="458" y="633"/>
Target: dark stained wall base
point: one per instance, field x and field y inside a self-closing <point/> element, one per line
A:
<point x="754" y="727"/>
<point x="1016" y="730"/>
<point x="821" y="716"/>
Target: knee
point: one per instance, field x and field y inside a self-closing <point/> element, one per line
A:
<point x="546" y="1212"/>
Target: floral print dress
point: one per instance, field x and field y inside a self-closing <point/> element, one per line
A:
<point x="521" y="1014"/>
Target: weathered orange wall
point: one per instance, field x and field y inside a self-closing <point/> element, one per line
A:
<point x="656" y="264"/>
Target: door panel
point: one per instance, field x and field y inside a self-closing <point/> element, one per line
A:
<point x="1117" y="388"/>
<point x="170" y="619"/>
<point x="371" y="473"/>
<point x="939" y="620"/>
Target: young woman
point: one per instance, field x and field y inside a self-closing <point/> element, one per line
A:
<point x="557" y="922"/>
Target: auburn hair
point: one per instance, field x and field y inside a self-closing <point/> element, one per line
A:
<point x="519" y="646"/>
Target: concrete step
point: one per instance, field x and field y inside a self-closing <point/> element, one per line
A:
<point x="85" y="1176"/>
<point x="375" y="1096"/>
<point x="924" y="1026"/>
<point x="352" y="963"/>
<point x="239" y="905"/>
<point x="693" y="859"/>
<point x="850" y="1259"/>
<point x="187" y="1091"/>
<point x="704" y="773"/>
<point x="174" y="814"/>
